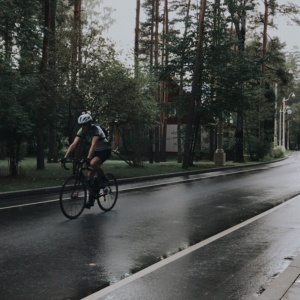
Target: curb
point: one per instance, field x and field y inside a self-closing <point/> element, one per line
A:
<point x="283" y="283"/>
<point x="56" y="189"/>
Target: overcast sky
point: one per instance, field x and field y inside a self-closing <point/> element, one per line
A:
<point x="122" y="31"/>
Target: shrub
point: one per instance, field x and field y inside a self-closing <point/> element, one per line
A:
<point x="277" y="152"/>
<point x="258" y="149"/>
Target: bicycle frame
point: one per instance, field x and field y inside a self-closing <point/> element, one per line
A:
<point x="78" y="169"/>
<point x="72" y="204"/>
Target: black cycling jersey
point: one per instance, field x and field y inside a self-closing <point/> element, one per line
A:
<point x="94" y="130"/>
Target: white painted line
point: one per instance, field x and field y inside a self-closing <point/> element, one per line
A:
<point x="130" y="189"/>
<point x="183" y="253"/>
<point x="201" y="176"/>
<point x="28" y="204"/>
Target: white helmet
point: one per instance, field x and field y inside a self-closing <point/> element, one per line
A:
<point x="85" y="118"/>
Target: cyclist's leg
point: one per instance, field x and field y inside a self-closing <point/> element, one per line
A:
<point x="91" y="173"/>
<point x="96" y="164"/>
<point x="99" y="158"/>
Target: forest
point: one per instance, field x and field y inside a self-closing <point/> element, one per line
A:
<point x="210" y="66"/>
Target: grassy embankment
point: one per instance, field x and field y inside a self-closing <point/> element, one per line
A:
<point x="54" y="175"/>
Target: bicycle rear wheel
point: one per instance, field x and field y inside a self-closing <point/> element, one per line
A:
<point x="109" y="194"/>
<point x="73" y="197"/>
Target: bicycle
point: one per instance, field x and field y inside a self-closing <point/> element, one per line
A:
<point x="77" y="190"/>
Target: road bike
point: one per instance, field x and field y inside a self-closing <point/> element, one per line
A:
<point x="78" y="192"/>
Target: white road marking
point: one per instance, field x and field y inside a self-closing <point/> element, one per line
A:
<point x="201" y="176"/>
<point x="29" y="204"/>
<point x="183" y="253"/>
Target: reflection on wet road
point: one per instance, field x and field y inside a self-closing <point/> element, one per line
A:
<point x="45" y="256"/>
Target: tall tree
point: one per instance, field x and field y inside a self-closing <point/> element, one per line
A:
<point x="146" y="53"/>
<point x="265" y="34"/>
<point x="195" y="99"/>
<point x="237" y="10"/>
<point x="75" y="103"/>
<point x="181" y="77"/>
<point x="137" y="35"/>
<point x="40" y="117"/>
<point x="156" y="63"/>
<point x="164" y="84"/>
<point x="53" y="149"/>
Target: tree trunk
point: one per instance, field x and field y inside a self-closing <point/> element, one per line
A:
<point x="8" y="52"/>
<point x="40" y="122"/>
<point x="40" y="156"/>
<point x="165" y="61"/>
<point x="240" y="28"/>
<point x="137" y="35"/>
<point x="239" y="134"/>
<point x="75" y="105"/>
<point x="45" y="53"/>
<point x="151" y="131"/>
<point x="265" y="37"/>
<point x="53" y="149"/>
<point x="156" y="130"/>
<point x="179" y="141"/>
<point x="194" y="99"/>
<point x="262" y="123"/>
<point x="2" y="151"/>
<point x="181" y="75"/>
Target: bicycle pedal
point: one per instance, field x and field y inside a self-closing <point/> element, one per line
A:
<point x="105" y="193"/>
<point x="74" y="195"/>
<point x="89" y="205"/>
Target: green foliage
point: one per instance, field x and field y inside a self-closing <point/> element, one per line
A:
<point x="134" y="111"/>
<point x="54" y="175"/>
<point x="277" y="152"/>
<point x="258" y="149"/>
<point x="45" y="102"/>
<point x="229" y="144"/>
<point x="15" y="124"/>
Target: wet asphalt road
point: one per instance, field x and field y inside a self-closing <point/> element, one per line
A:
<point x="45" y="256"/>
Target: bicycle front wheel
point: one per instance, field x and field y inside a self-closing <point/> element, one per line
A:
<point x="109" y="194"/>
<point x="73" y="197"/>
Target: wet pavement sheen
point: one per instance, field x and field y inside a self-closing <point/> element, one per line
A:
<point x="204" y="274"/>
<point x="148" y="246"/>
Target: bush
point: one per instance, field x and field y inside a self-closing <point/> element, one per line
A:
<point x="258" y="149"/>
<point x="229" y="146"/>
<point x="277" y="152"/>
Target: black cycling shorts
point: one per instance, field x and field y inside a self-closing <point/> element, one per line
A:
<point x="103" y="155"/>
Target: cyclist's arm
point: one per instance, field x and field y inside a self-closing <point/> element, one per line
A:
<point x="72" y="146"/>
<point x="93" y="146"/>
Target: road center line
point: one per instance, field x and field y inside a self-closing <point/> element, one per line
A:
<point x="183" y="253"/>
<point x="201" y="177"/>
<point x="29" y="204"/>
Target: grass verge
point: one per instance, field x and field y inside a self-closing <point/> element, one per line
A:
<point x="54" y="175"/>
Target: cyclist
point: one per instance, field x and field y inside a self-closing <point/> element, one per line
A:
<point x="99" y="151"/>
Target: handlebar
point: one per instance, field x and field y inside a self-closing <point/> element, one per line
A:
<point x="64" y="162"/>
<point x="75" y="161"/>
